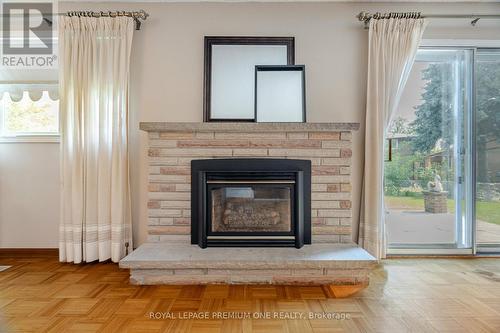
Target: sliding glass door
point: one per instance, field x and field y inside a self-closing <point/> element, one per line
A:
<point x="487" y="146"/>
<point x="428" y="158"/>
<point x="442" y="174"/>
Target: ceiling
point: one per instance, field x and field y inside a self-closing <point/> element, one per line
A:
<point x="345" y="1"/>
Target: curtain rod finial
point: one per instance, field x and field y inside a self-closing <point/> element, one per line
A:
<point x="364" y="16"/>
<point x="144" y="15"/>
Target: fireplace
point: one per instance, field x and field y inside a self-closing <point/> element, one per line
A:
<point x="251" y="202"/>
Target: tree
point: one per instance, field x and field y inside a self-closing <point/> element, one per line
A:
<point x="29" y="116"/>
<point x="487" y="114"/>
<point x="434" y="117"/>
<point x="400" y="126"/>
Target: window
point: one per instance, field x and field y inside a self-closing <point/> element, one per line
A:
<point x="442" y="184"/>
<point x="28" y="111"/>
<point x="29" y="101"/>
<point x="487" y="143"/>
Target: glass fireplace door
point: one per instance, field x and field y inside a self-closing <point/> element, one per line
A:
<point x="250" y="210"/>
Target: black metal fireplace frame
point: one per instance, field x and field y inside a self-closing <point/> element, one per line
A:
<point x="248" y="169"/>
<point x="255" y="233"/>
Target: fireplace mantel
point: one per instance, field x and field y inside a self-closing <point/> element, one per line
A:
<point x="246" y="127"/>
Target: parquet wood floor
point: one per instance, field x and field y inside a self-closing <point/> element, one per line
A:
<point x="39" y="294"/>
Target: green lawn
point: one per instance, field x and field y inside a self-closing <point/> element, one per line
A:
<point x="487" y="211"/>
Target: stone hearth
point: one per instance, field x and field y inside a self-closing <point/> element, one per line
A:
<point x="168" y="257"/>
<point x="160" y="263"/>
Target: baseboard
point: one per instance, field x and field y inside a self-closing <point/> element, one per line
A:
<point x="31" y="252"/>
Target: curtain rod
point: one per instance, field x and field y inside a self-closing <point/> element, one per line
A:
<point x="366" y="16"/>
<point x="136" y="15"/>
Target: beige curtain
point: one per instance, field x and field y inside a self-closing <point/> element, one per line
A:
<point x="94" y="59"/>
<point x="393" y="44"/>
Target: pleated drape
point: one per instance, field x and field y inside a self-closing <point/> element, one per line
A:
<point x="393" y="45"/>
<point x="94" y="63"/>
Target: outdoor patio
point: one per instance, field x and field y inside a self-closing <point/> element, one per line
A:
<point x="419" y="227"/>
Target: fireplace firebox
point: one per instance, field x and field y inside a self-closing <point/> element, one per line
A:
<point x="251" y="202"/>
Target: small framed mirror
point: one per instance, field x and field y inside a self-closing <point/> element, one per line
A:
<point x="230" y="73"/>
<point x="280" y="93"/>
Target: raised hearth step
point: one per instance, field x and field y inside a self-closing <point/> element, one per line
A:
<point x="162" y="263"/>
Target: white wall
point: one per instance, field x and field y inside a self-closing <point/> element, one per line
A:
<point x="167" y="71"/>
<point x="29" y="195"/>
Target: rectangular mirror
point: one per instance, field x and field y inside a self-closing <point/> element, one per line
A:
<point x="230" y="73"/>
<point x="280" y="94"/>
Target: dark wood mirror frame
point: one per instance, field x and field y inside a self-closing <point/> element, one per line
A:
<point x="289" y="42"/>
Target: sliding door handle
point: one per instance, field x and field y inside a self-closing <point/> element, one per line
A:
<point x="389" y="150"/>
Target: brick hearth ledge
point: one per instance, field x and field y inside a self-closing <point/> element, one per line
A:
<point x="168" y="257"/>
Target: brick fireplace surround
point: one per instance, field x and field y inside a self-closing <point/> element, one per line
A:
<point x="168" y="257"/>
